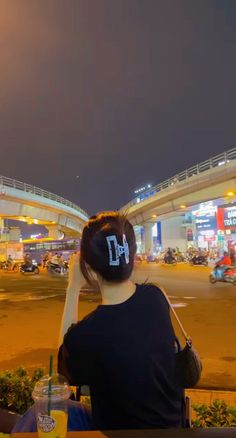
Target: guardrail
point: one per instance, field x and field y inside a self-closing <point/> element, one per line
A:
<point x="216" y="161"/>
<point x="24" y="187"/>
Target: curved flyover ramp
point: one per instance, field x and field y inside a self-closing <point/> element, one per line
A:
<point x="27" y="203"/>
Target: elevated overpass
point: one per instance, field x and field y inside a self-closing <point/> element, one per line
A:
<point x="212" y="179"/>
<point x="27" y="203"/>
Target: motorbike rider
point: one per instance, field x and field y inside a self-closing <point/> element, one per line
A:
<point x="55" y="263"/>
<point x="46" y="258"/>
<point x="199" y="256"/>
<point x="60" y="259"/>
<point x="169" y="256"/>
<point x="9" y="262"/>
<point x="55" y="259"/>
<point x="222" y="265"/>
<point x="61" y="263"/>
<point x="27" y="260"/>
<point x="232" y="255"/>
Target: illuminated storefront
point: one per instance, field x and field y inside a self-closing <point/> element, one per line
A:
<point x="206" y="225"/>
<point x="226" y="224"/>
<point x="209" y="226"/>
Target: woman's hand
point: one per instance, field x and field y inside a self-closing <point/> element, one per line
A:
<point x="76" y="279"/>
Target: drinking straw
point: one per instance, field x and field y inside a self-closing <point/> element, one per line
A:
<point x="50" y="383"/>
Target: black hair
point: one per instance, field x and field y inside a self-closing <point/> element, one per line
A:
<point x="94" y="247"/>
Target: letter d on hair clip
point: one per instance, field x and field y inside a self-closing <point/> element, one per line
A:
<point x="116" y="250"/>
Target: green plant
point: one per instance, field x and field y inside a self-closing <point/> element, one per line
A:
<point x="16" y="388"/>
<point x="217" y="414"/>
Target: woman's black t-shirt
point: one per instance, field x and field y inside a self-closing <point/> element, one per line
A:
<point x="125" y="354"/>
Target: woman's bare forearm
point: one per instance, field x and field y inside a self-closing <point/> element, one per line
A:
<point x="70" y="312"/>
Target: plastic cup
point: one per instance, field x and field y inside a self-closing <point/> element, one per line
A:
<point x="50" y="395"/>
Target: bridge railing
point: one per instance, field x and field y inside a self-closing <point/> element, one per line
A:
<point x="218" y="160"/>
<point x="24" y="187"/>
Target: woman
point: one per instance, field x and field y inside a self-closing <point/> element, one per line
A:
<point x="124" y="350"/>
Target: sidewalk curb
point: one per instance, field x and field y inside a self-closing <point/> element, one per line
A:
<point x="206" y="396"/>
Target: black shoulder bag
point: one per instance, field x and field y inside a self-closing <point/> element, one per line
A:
<point x="188" y="365"/>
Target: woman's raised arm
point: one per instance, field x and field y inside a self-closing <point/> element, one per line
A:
<point x="76" y="281"/>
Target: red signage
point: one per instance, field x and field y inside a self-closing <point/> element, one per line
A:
<point x="226" y="218"/>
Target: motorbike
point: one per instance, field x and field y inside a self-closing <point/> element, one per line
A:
<point x="6" y="266"/>
<point x="229" y="275"/>
<point x="170" y="260"/>
<point x="29" y="269"/>
<point x="54" y="268"/>
<point x="199" y="260"/>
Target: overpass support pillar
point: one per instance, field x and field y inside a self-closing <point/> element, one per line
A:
<point x="1" y="230"/>
<point x="54" y="232"/>
<point x="148" y="239"/>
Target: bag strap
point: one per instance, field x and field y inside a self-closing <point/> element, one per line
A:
<point x="185" y="335"/>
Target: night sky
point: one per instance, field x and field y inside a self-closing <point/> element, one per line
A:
<point x="117" y="92"/>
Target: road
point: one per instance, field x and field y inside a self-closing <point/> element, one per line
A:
<point x="31" y="309"/>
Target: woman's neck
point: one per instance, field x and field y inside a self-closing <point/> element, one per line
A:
<point x="116" y="293"/>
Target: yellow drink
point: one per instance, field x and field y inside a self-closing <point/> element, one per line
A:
<point x="51" y="394"/>
<point x="54" y="426"/>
